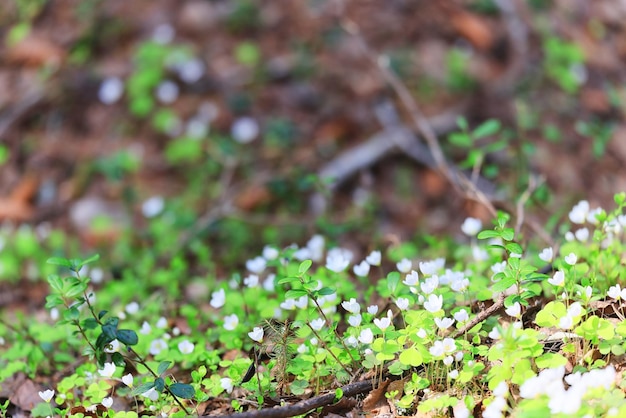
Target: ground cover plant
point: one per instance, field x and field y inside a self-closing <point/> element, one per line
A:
<point x="259" y="208"/>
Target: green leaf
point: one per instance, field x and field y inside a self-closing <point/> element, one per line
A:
<point x="462" y="123"/>
<point x="101" y="314"/>
<point x="118" y="359"/>
<point x="89" y="323"/>
<point x="324" y="291"/>
<point x="550" y="360"/>
<point x="338" y="394"/>
<point x="508" y="234"/>
<point x="295" y="293"/>
<point x="514" y="247"/>
<point x="182" y="390"/>
<point x="411" y="357"/>
<point x="60" y="261"/>
<point x="127" y="336"/>
<point x="304" y="266"/>
<point x="91" y="259"/>
<point x="460" y="139"/>
<point x="288" y="280"/>
<point x="71" y="314"/>
<point x="393" y="279"/>
<point x="503" y="284"/>
<point x="163" y="366"/>
<point x="159" y="384"/>
<point x="143" y="388"/>
<point x="488" y="234"/>
<point x="55" y="282"/>
<point x="486" y="128"/>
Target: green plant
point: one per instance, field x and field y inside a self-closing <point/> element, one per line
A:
<point x="564" y="63"/>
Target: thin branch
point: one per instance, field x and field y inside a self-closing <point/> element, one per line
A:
<point x="303" y="407"/>
<point x="480" y="317"/>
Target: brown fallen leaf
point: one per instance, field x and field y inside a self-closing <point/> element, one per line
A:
<point x="18" y="207"/>
<point x="35" y="51"/>
<point x="473" y="28"/>
<point x="376" y="397"/>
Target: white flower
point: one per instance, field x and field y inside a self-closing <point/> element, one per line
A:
<point x="579" y="213"/>
<point x="479" y="254"/>
<point x="112" y="347"/>
<point x="167" y="92"/>
<point x="318" y="324"/>
<point x="268" y="283"/>
<point x="514" y="310"/>
<point x="107" y="402"/>
<point x="303" y="254"/>
<point x="494" y="334"/>
<point x="374" y="258"/>
<point x="351" y="341"/>
<point x="461" y="316"/>
<point x="186" y="347"/>
<point x="156" y="346"/>
<point x="257" y="334"/>
<point x="571" y="259"/>
<point x="337" y="261"/>
<point x="404" y="265"/>
<point x="471" y="226"/>
<point x="161" y="323"/>
<point x="256" y="265"/>
<point x="362" y="269"/>
<point x="354" y="320"/>
<point x="251" y="281"/>
<point x="411" y="279"/>
<point x="231" y="322"/>
<point x="591" y="216"/>
<point x="372" y="309"/>
<point x="422" y="333"/>
<point x="437" y="349"/>
<point x="616" y="292"/>
<point x="569" y="236"/>
<point x="153" y="206"/>
<point x="313" y="341"/>
<point x="366" y="336"/>
<point x="127" y="379"/>
<point x="163" y="34"/>
<point x="434" y="303"/>
<point x="227" y="384"/>
<point x="382" y="323"/>
<point x="582" y="234"/>
<point x="302" y="348"/>
<point x="190" y="71"/>
<point x="453" y="375"/>
<point x="447" y="360"/>
<point x="402" y="303"/>
<point x="270" y="253"/>
<point x="498" y="267"/>
<point x="575" y="309"/>
<point x="107" y="370"/>
<point x="351" y="306"/>
<point x="301" y="302"/>
<point x="218" y="298"/>
<point x="132" y="308"/>
<point x="289" y="304"/>
<point x="316" y="248"/>
<point x="460" y="285"/>
<point x="429" y="285"/>
<point x="145" y="328"/>
<point x="47" y="395"/>
<point x="244" y="130"/>
<point x="151" y="394"/>
<point x="444" y="323"/>
<point x="54" y="314"/>
<point x="111" y="90"/>
<point x="431" y="267"/>
<point x="546" y="254"/>
<point x="558" y="279"/>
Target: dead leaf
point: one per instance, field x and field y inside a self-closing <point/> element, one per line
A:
<point x="376" y="397"/>
<point x="252" y="196"/>
<point x="473" y="28"/>
<point x="36" y="51"/>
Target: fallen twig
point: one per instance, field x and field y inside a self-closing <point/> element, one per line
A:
<point x="305" y="406"/>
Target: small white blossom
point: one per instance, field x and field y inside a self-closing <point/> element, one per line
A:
<point x="151" y="394"/>
<point x="153" y="206"/>
<point x="231" y="322"/>
<point x="107" y="370"/>
<point x="256" y="265"/>
<point x="354" y="320"/>
<point x="162" y="323"/>
<point x="479" y="254"/>
<point x="582" y="234"/>
<point x="289" y="304"/>
<point x="558" y="279"/>
<point x="107" y="402"/>
<point x="434" y="303"/>
<point x="454" y="374"/>
<point x="571" y="259"/>
<point x="218" y="298"/>
<point x="316" y="248"/>
<point x="318" y="324"/>
<point x="127" y="379"/>
<point x="268" y="283"/>
<point x="157" y="345"/>
<point x="404" y="265"/>
<point x="411" y="279"/>
<point x="257" y="334"/>
<point x="444" y="323"/>
<point x="132" y="308"/>
<point x="145" y="328"/>
<point x="227" y="384"/>
<point x="337" y="261"/>
<point x="351" y="341"/>
<point x="569" y="236"/>
<point x="372" y="309"/>
<point x="494" y="334"/>
<point x="402" y="303"/>
<point x="302" y="349"/>
<point x="447" y="360"/>
<point x="422" y="333"/>
<point x="167" y="92"/>
<point x="112" y="347"/>
<point x="251" y="281"/>
<point x="47" y="395"/>
<point x="301" y="302"/>
<point x="431" y="267"/>
<point x="382" y="323"/>
<point x="362" y="269"/>
<point x="244" y="130"/>
<point x="366" y="336"/>
<point x="429" y="285"/>
<point x="579" y="212"/>
<point x="546" y="254"/>
<point x="471" y="226"/>
<point x="351" y="306"/>
<point x="111" y="90"/>
<point x="163" y="34"/>
<point x="498" y="267"/>
<point x="461" y="316"/>
<point x="186" y="347"/>
<point x="592" y="216"/>
<point x="374" y="258"/>
<point x="270" y="253"/>
<point x="514" y="310"/>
